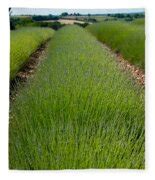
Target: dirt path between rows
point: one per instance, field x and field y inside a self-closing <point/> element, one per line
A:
<point x="125" y="65"/>
<point x="27" y="70"/>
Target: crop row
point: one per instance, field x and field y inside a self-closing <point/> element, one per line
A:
<point x="125" y="38"/>
<point x="78" y="111"/>
<point x="23" y="43"/>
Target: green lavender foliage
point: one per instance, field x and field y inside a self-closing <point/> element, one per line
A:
<point x="78" y="111"/>
<point x="125" y="38"/>
<point x="23" y="43"/>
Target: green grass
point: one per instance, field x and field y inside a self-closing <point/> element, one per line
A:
<point x="123" y="37"/>
<point x="23" y="43"/>
<point x="78" y="111"/>
<point x="102" y="18"/>
<point x="139" y="21"/>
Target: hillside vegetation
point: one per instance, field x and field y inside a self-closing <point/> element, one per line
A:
<point x="140" y="21"/>
<point x="125" y="38"/>
<point x="23" y="43"/>
<point x="78" y="111"/>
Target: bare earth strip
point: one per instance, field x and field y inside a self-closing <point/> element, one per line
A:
<point x="28" y="70"/>
<point x="124" y="64"/>
<point x="66" y="21"/>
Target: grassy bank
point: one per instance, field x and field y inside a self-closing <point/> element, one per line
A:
<point x="23" y="43"/>
<point x="126" y="38"/>
<point x="79" y="110"/>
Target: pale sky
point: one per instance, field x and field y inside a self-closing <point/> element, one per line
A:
<point x="43" y="11"/>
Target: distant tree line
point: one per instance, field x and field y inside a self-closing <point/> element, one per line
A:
<point x="71" y="14"/>
<point x="127" y="15"/>
<point x="17" y="22"/>
<point x="52" y="17"/>
<point x="44" y="18"/>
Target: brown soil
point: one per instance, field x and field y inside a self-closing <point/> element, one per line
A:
<point x="27" y="70"/>
<point x="136" y="73"/>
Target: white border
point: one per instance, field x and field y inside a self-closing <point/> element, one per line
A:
<point x="149" y="173"/>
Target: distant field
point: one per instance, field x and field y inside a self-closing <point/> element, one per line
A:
<point x="139" y="21"/>
<point x="79" y="110"/>
<point x="123" y="37"/>
<point x="81" y="18"/>
<point x="66" y="21"/>
<point x="86" y="18"/>
<point x="23" y="43"/>
<point x="102" y="18"/>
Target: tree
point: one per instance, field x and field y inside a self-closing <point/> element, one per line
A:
<point x="10" y="12"/>
<point x="12" y="22"/>
<point x="64" y="14"/>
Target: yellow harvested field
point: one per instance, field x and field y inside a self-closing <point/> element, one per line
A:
<point x="66" y="21"/>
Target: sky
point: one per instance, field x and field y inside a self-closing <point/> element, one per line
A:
<point x="43" y="11"/>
